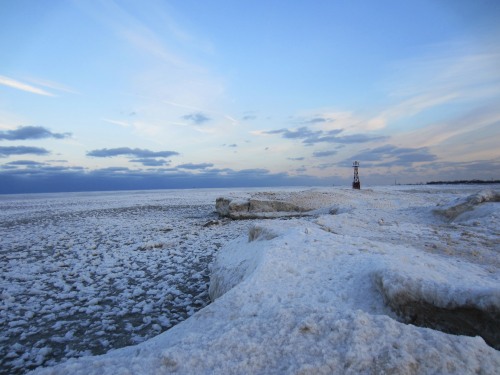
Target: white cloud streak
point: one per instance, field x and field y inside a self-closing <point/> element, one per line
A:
<point x="9" y="82"/>
<point x="116" y="122"/>
<point x="439" y="133"/>
<point x="453" y="73"/>
<point x="52" y="85"/>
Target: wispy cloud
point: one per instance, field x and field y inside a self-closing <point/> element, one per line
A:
<point x="462" y="67"/>
<point x="310" y="137"/>
<point x="325" y="166"/>
<point x="30" y="132"/>
<point x="30" y="163"/>
<point x="128" y="27"/>
<point x="179" y="105"/>
<point x="317" y="119"/>
<point x="300" y="133"/>
<point x="52" y="85"/>
<point x="322" y="154"/>
<point x="438" y="133"/>
<point x="448" y="73"/>
<point x="391" y="156"/>
<point x="150" y="162"/>
<point x="197" y="118"/>
<point x="359" y="138"/>
<point x="21" y="150"/>
<point x="410" y="107"/>
<point x="127" y="151"/>
<point x="6" y="81"/>
<point x="195" y="166"/>
<point x="117" y="122"/>
<point x="199" y="113"/>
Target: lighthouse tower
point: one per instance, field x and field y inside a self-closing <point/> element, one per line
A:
<point x="356" y="184"/>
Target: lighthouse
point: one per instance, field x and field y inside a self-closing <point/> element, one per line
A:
<point x="356" y="184"/>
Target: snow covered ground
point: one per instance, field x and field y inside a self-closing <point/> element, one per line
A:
<point x="381" y="281"/>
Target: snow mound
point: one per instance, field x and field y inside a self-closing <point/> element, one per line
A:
<point x="458" y="206"/>
<point x="237" y="261"/>
<point x="313" y="342"/>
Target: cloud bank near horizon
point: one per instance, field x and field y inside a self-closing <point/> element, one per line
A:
<point x="39" y="178"/>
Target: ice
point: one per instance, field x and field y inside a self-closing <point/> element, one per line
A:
<point x="464" y="204"/>
<point x="76" y="269"/>
<point x="344" y="291"/>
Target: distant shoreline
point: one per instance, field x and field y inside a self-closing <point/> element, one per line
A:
<point x="462" y="182"/>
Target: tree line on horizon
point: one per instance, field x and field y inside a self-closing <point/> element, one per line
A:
<point x="461" y="182"/>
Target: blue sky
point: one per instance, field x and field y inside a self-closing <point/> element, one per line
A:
<point x="169" y="94"/>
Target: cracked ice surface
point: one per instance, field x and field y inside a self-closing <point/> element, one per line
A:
<point x="85" y="273"/>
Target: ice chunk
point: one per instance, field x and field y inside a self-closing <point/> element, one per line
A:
<point x="442" y="296"/>
<point x="255" y="208"/>
<point x="460" y="205"/>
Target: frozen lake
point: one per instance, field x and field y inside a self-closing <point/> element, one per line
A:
<point x="82" y="273"/>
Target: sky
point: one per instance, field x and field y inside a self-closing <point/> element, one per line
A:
<point x="110" y="95"/>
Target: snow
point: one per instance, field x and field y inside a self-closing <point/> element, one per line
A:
<point x="334" y="292"/>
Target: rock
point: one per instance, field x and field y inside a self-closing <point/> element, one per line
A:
<point x="227" y="207"/>
<point x="256" y="208"/>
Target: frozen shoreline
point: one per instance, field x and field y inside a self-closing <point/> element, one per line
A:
<point x="310" y="295"/>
